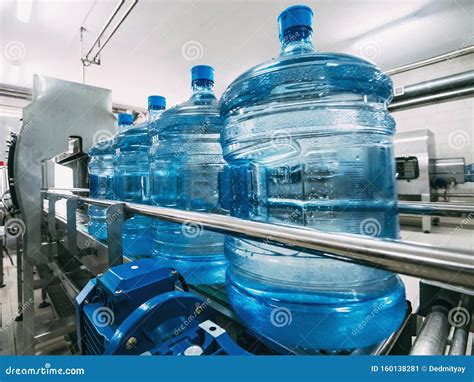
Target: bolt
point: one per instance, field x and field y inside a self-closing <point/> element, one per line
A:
<point x="119" y="291"/>
<point x="131" y="343"/>
<point x="100" y="275"/>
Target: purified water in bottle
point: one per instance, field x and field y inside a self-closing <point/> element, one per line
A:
<point x="101" y="174"/>
<point x="308" y="142"/>
<point x="132" y="177"/>
<point x="186" y="159"/>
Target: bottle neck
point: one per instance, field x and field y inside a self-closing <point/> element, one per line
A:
<point x="154" y="113"/>
<point x="297" y="40"/>
<point x="203" y="87"/>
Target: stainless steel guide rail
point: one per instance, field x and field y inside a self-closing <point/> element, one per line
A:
<point x="453" y="266"/>
<point x="460" y="210"/>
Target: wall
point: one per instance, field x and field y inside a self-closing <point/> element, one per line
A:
<point x="452" y="122"/>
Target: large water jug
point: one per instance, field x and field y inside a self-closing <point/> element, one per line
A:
<point x="308" y="141"/>
<point x="101" y="171"/>
<point x="186" y="159"/>
<point x="131" y="177"/>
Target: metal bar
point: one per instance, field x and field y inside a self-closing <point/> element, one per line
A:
<point x="453" y="195"/>
<point x="115" y="29"/>
<point x="112" y="16"/>
<point x="459" y="341"/>
<point x="433" y="335"/>
<point x="11" y="91"/>
<point x="19" y="275"/>
<point x="436" y="85"/>
<point x="432" y="60"/>
<point x="436" y="209"/>
<point x="115" y="217"/>
<point x="52" y="199"/>
<point x="412" y="102"/>
<point x="77" y="190"/>
<point x="71" y="208"/>
<point x="1" y="261"/>
<point x="454" y="267"/>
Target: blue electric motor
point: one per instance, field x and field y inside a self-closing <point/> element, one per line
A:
<point x="135" y="309"/>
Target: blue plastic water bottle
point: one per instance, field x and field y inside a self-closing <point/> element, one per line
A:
<point x="186" y="158"/>
<point x="101" y="171"/>
<point x="131" y="178"/>
<point x="308" y="142"/>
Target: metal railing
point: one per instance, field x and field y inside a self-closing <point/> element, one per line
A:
<point x="451" y="266"/>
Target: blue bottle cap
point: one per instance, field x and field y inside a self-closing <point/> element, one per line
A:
<point x="125" y="119"/>
<point x="156" y="102"/>
<point x="202" y="72"/>
<point x="297" y="15"/>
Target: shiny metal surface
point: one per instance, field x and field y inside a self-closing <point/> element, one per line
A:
<point x="419" y="144"/>
<point x="450" y="266"/>
<point x="433" y="335"/>
<point x="431" y="98"/>
<point x="459" y="341"/>
<point x="104" y="28"/>
<point x="436" y="209"/>
<point x="436" y="85"/>
<point x="117" y="26"/>
<point x="450" y="170"/>
<point x="59" y="110"/>
<point x="432" y="60"/>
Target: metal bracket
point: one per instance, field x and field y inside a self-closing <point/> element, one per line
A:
<point x="52" y="199"/>
<point x="71" y="207"/>
<point x="115" y="216"/>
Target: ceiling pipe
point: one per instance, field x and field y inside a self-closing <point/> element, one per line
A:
<point x="112" y="16"/>
<point x="115" y="29"/>
<point x="429" y="99"/>
<point x="452" y="82"/>
<point x="438" y="90"/>
<point x="432" y="60"/>
<point x="17" y="92"/>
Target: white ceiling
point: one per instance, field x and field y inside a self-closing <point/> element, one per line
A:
<point x="146" y="55"/>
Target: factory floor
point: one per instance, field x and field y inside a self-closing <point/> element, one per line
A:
<point x="11" y="331"/>
<point x="11" y="338"/>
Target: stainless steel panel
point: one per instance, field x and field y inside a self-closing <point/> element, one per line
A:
<point x="59" y="110"/>
<point x="450" y="170"/>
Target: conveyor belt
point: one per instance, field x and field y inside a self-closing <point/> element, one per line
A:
<point x="62" y="304"/>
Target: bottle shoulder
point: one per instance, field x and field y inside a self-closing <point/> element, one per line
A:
<point x="307" y="75"/>
<point x="198" y="115"/>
